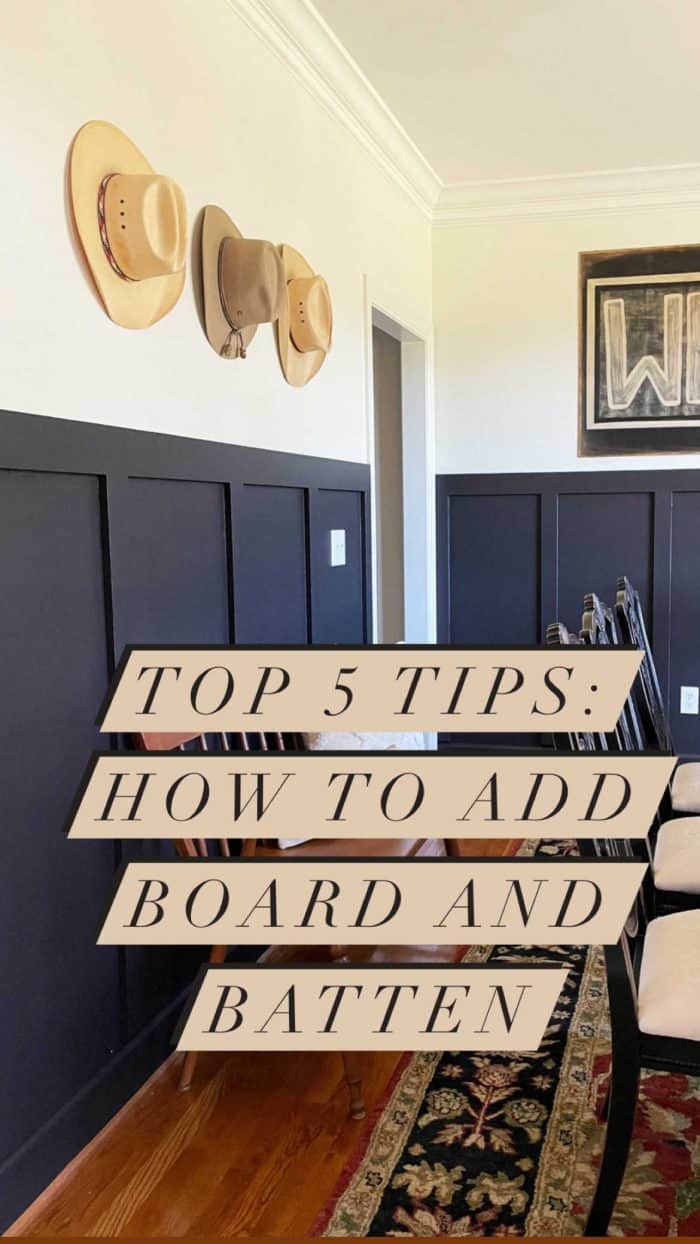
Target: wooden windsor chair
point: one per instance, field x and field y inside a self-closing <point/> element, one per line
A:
<point x="198" y="848"/>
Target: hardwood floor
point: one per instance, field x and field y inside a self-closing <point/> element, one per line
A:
<point x="255" y="1148"/>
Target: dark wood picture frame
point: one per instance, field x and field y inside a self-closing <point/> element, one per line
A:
<point x="641" y="427"/>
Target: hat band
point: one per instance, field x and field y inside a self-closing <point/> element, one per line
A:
<point x="236" y="329"/>
<point x="103" y="228"/>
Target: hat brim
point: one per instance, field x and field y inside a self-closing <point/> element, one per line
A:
<point x="217" y="225"/>
<point x="98" y="150"/>
<point x="299" y="367"/>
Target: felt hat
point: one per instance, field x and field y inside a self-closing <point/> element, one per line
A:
<point x="305" y="324"/>
<point x="242" y="284"/>
<point x="132" y="225"/>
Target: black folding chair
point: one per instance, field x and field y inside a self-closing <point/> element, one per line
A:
<point x="653" y="976"/>
<point x="676" y="861"/>
<point x="654" y="1011"/>
<point x="685" y="786"/>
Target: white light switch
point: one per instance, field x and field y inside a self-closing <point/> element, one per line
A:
<point x="689" y="699"/>
<point x="338" y="548"/>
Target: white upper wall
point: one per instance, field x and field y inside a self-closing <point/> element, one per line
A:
<point x="210" y="104"/>
<point x="213" y="105"/>
<point x="506" y="304"/>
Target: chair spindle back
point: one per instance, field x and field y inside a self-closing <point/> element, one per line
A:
<point x="647" y="689"/>
<point x="598" y="627"/>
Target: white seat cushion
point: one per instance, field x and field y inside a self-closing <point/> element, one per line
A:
<point x="364" y="741"/>
<point x="677" y="856"/>
<point x="685" y="788"/>
<point x="669" y="978"/>
<point x="353" y="741"/>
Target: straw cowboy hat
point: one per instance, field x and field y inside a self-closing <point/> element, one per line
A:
<point x="132" y="225"/>
<point x="242" y="284"/>
<point x="305" y="323"/>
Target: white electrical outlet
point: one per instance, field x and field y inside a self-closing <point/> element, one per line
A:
<point x="689" y="699"/>
<point x="338" y="548"/>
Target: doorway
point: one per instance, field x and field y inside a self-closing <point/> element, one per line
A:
<point x="401" y="455"/>
<point x="389" y="512"/>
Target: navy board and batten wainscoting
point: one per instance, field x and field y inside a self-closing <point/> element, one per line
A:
<point x="108" y="537"/>
<point x="516" y="552"/>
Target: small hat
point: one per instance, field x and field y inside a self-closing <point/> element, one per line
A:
<point x="132" y="225"/>
<point x="242" y="284"/>
<point x="305" y="323"/>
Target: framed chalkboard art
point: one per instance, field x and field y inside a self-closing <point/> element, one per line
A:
<point x="639" y="389"/>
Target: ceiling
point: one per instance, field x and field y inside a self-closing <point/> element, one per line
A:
<point x="493" y="89"/>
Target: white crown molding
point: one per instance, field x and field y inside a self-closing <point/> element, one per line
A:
<point x="568" y="196"/>
<point x="300" y="37"/>
<point x="302" y="40"/>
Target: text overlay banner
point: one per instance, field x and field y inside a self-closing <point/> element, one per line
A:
<point x="389" y="902"/>
<point x="479" y="1007"/>
<point x="369" y="795"/>
<point x="370" y="689"/>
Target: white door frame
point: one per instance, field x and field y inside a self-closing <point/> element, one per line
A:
<point x="418" y="432"/>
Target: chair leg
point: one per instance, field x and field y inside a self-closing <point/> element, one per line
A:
<point x="621" y="1104"/>
<point x="339" y="952"/>
<point x="187" y="1071"/>
<point x="605" y="1109"/>
<point x="618" y="1137"/>
<point x="353" y="1079"/>
<point x="217" y="954"/>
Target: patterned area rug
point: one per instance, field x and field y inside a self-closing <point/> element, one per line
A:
<point x="503" y="1144"/>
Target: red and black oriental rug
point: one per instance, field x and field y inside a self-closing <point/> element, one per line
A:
<point x="503" y="1144"/>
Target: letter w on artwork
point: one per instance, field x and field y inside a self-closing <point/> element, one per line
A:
<point x="623" y="385"/>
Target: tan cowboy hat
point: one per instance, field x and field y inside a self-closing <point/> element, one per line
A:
<point x="242" y="284"/>
<point x="132" y="225"/>
<point x="305" y="323"/>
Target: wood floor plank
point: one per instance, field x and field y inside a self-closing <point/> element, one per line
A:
<point x="255" y="1148"/>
